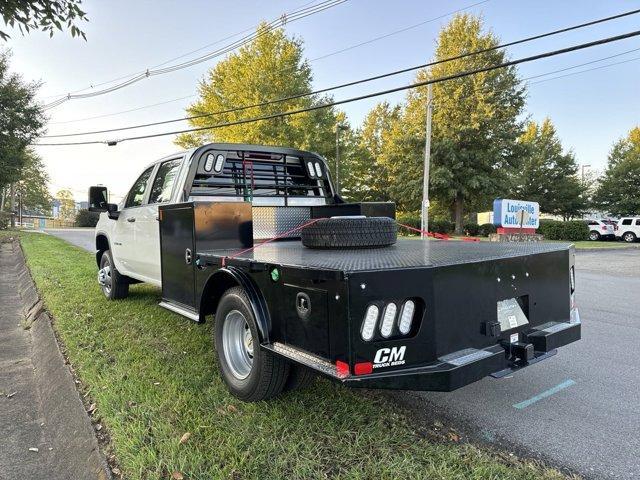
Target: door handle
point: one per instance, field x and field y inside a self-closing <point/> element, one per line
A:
<point x="187" y="256"/>
<point x="131" y="219"/>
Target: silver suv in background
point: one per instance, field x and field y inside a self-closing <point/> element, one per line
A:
<point x="603" y="229"/>
<point x="628" y="229"/>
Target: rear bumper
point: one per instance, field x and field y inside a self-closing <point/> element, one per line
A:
<point x="470" y="365"/>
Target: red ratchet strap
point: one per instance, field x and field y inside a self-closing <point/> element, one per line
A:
<point x="277" y="237"/>
<point x="439" y="236"/>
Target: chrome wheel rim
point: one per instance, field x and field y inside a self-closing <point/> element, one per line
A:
<point x="628" y="237"/>
<point x="104" y="278"/>
<point x="237" y="344"/>
<point x="594" y="236"/>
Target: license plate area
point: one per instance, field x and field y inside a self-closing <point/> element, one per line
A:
<point x="513" y="312"/>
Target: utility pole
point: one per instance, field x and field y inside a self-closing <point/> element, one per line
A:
<point x="339" y="127"/>
<point x="12" y="192"/>
<point x="424" y="224"/>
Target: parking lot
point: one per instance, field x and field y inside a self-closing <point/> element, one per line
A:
<point x="578" y="409"/>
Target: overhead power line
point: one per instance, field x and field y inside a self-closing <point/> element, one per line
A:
<point x="281" y="21"/>
<point x="510" y="63"/>
<point x="356" y="82"/>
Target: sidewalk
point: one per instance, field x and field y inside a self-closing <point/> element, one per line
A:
<point x="45" y="432"/>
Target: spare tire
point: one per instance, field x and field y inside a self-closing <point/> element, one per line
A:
<point x="350" y="232"/>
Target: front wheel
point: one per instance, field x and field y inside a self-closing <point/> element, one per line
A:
<point x="113" y="284"/>
<point x="250" y="372"/>
<point x="629" y="237"/>
<point x="594" y="236"/>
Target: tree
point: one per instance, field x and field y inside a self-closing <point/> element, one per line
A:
<point x="547" y="175"/>
<point x="20" y="121"/>
<point x="366" y="178"/>
<point x="270" y="67"/>
<point x="67" y="205"/>
<point x="475" y="126"/>
<point x="32" y="185"/>
<point x="619" y="188"/>
<point x="45" y="15"/>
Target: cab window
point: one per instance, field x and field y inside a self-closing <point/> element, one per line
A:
<point x="626" y="221"/>
<point x="163" y="183"/>
<point x="136" y="194"/>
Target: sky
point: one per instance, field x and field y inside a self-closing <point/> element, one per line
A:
<point x="591" y="110"/>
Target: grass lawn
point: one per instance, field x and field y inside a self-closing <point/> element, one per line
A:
<point x="153" y="376"/>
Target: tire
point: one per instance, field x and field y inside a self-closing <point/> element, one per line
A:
<point x="114" y="285"/>
<point x="299" y="378"/>
<point x="629" y="237"/>
<point x="250" y="372"/>
<point x="594" y="236"/>
<point x="350" y="232"/>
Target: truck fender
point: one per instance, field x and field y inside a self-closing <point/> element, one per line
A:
<point x="228" y="277"/>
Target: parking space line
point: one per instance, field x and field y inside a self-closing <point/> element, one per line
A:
<point x="545" y="394"/>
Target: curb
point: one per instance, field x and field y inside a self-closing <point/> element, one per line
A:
<point x="67" y="423"/>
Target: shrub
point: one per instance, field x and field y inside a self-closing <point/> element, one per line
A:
<point x="441" y="226"/>
<point x="573" y="231"/>
<point x="486" y="229"/>
<point x="5" y="220"/>
<point x="85" y="218"/>
<point x="471" y="228"/>
<point x="408" y="218"/>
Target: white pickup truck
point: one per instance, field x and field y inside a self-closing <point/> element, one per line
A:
<point x="301" y="282"/>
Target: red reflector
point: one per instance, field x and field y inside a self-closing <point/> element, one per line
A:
<point x="342" y="368"/>
<point x="363" y="368"/>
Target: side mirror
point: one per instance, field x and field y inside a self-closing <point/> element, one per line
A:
<point x="99" y="201"/>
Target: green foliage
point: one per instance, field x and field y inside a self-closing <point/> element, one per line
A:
<point x="486" y="229"/>
<point x="85" y="218"/>
<point x="411" y="219"/>
<point x="472" y="229"/>
<point x="45" y="15"/>
<point x="619" y="190"/>
<point x="440" y="225"/>
<point x="573" y="230"/>
<point x="547" y="175"/>
<point x="5" y="220"/>
<point x="271" y="67"/>
<point x="20" y="121"/>
<point x="32" y="184"/>
<point x="67" y="205"/>
<point x="475" y="126"/>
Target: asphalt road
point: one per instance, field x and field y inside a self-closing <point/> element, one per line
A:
<point x="578" y="410"/>
<point x="80" y="237"/>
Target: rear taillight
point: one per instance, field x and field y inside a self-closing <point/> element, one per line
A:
<point x="369" y="323"/>
<point x="396" y="320"/>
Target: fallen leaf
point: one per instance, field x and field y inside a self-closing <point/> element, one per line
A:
<point x="34" y="449"/>
<point x="99" y="427"/>
<point x="92" y="408"/>
<point x="9" y="395"/>
<point x="116" y="471"/>
<point x="221" y="411"/>
<point x="232" y="408"/>
<point x="177" y="476"/>
<point x="454" y="437"/>
<point x="185" y="438"/>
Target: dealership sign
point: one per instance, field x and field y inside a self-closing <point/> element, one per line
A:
<point x="516" y="213"/>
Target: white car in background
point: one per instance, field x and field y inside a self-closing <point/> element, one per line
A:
<point x="603" y="229"/>
<point x="628" y="229"/>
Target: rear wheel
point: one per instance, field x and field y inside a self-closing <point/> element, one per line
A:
<point x="250" y="372"/>
<point x="629" y="237"/>
<point x="113" y="284"/>
<point x="300" y="377"/>
<point x="594" y="236"/>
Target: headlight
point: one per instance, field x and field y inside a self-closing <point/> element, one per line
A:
<point x="369" y="323"/>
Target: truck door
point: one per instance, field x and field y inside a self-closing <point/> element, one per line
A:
<point x="123" y="243"/>
<point x="147" y="225"/>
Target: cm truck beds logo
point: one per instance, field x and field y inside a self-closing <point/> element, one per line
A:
<point x="389" y="357"/>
